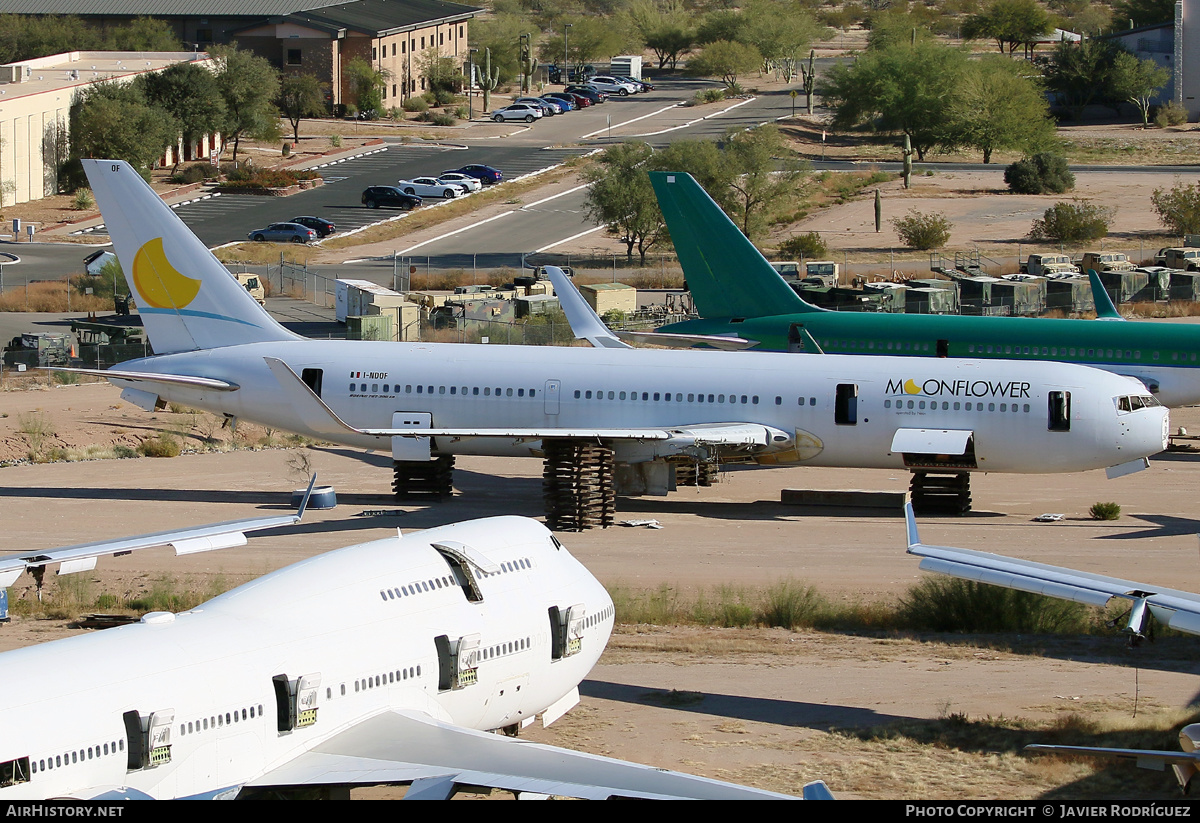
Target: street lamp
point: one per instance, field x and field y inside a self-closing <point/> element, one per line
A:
<point x="565" y="72"/>
<point x="471" y="87"/>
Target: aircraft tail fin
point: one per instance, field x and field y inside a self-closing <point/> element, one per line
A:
<point x="185" y="296"/>
<point x="1105" y="310"/>
<point x="726" y="274"/>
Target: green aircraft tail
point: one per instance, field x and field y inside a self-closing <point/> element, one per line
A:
<point x="725" y="273"/>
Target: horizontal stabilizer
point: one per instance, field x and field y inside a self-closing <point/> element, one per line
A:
<point x="152" y="377"/>
<point x="687" y="341"/>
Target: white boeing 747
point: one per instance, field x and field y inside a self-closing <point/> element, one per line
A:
<point x="603" y="419"/>
<point x="383" y="663"/>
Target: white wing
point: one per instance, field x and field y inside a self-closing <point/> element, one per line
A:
<point x="83" y="557"/>
<point x="1176" y="609"/>
<point x="438" y="760"/>
<point x="734" y="434"/>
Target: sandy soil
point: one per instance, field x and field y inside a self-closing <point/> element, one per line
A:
<point x="772" y="708"/>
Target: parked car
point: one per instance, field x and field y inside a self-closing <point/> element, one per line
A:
<point x="564" y="100"/>
<point x="486" y="174"/>
<point x="375" y="196"/>
<point x="431" y="187"/>
<point x="578" y="100"/>
<point x="611" y="85"/>
<point x="459" y="179"/>
<point x="518" y="111"/>
<point x="574" y="73"/>
<point x="641" y="84"/>
<point x="591" y="93"/>
<point x="320" y="225"/>
<point x="284" y="232"/>
<point x="548" y="109"/>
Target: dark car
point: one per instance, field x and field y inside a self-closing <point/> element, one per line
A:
<point x="591" y="93"/>
<point x="487" y="174"/>
<point x="375" y="196"/>
<point x="320" y="225"/>
<point x="578" y="99"/>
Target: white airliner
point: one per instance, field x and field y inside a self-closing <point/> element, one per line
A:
<point x="638" y="410"/>
<point x="1175" y="609"/>
<point x="383" y="663"/>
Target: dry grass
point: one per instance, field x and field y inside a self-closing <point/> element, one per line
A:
<point x="261" y="254"/>
<point x="51" y="297"/>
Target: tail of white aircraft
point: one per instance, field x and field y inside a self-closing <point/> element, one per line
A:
<point x="185" y="296"/>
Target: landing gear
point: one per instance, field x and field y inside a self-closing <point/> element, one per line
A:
<point x="425" y="477"/>
<point x="578" y="486"/>
<point x="941" y="493"/>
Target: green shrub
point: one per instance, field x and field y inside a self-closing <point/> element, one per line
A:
<point x="462" y="113"/>
<point x="122" y="452"/>
<point x="335" y="141"/>
<point x="66" y="378"/>
<point x="923" y="231"/>
<point x="708" y="96"/>
<point x="1170" y="114"/>
<point x="165" y="445"/>
<point x="1179" y="208"/>
<point x="415" y="104"/>
<point x="1076" y="222"/>
<point x="804" y="245"/>
<point x="287" y="149"/>
<point x="945" y="604"/>
<point x="1105" y="511"/>
<point x="1044" y="173"/>
<point x="195" y="173"/>
<point x="444" y="97"/>
<point x="83" y="200"/>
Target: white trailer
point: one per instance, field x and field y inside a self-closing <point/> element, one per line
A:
<point x="626" y="66"/>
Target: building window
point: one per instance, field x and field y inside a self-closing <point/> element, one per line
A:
<point x="293" y="57"/>
<point x="374" y="53"/>
<point x="204" y="35"/>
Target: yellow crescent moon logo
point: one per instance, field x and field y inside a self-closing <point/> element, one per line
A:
<point x="158" y="282"/>
<point x="910" y="387"/>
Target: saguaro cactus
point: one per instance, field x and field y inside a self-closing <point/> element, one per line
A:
<point x="810" y="80"/>
<point x="489" y="80"/>
<point x="528" y="66"/>
<point x="908" y="153"/>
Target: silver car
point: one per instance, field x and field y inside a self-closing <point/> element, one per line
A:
<point x="283" y="233"/>
<point x="517" y="111"/>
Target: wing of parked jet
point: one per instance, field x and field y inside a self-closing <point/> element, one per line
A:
<point x="587" y="325"/>
<point x="1105" y="310"/>
<point x="1176" y="609"/>
<point x="323" y="419"/>
<point x="437" y="759"/>
<point x="83" y="557"/>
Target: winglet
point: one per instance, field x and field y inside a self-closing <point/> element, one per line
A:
<point x="726" y="274"/>
<point x="910" y="521"/>
<point x="1105" y="310"/>
<point x="584" y="321"/>
<point x="817" y="790"/>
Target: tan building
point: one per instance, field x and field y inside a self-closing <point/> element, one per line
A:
<point x="35" y="101"/>
<point x="300" y="36"/>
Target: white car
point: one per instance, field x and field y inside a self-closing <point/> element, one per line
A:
<point x="431" y="187"/>
<point x="517" y="111"/>
<point x="459" y="179"/>
<point x="612" y="85"/>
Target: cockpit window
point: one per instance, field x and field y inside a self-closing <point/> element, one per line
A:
<point x="1135" y="402"/>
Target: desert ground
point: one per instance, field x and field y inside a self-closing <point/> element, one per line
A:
<point x="876" y="715"/>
